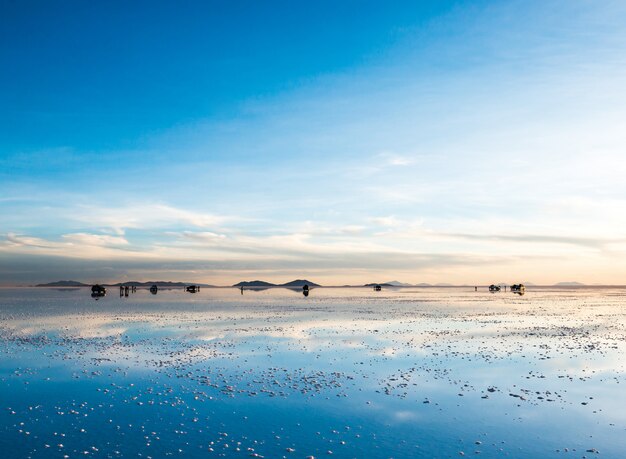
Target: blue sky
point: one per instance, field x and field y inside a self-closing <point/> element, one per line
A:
<point x="346" y="142"/>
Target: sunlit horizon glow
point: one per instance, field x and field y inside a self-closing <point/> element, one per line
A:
<point x="462" y="143"/>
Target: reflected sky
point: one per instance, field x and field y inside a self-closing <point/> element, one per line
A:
<point x="347" y="372"/>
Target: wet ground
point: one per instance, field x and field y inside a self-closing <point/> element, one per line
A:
<point x="404" y="373"/>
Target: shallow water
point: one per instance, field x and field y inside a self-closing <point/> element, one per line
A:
<point x="350" y="372"/>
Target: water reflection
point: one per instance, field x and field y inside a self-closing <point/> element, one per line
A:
<point x="398" y="373"/>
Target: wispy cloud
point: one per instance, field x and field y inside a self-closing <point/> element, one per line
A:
<point x="77" y="245"/>
<point x="394" y="159"/>
<point x="596" y="243"/>
<point x="142" y="215"/>
<point x="102" y="240"/>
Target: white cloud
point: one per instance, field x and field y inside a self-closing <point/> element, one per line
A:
<point x="17" y="240"/>
<point x="389" y="221"/>
<point x="103" y="240"/>
<point x="204" y="236"/>
<point x="393" y="159"/>
<point x="142" y="215"/>
<point x="75" y="245"/>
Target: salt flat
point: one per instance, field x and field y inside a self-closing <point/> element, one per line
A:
<point x="345" y="372"/>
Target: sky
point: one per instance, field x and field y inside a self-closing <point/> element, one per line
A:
<point x="342" y="142"/>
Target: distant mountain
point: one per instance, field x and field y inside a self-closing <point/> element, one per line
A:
<point x="294" y="283"/>
<point x="255" y="283"/>
<point x="399" y="284"/>
<point x="423" y="284"/>
<point x="164" y="284"/>
<point x="443" y="284"/>
<point x="300" y="283"/>
<point x="63" y="283"/>
<point x="382" y="285"/>
<point x="70" y="283"/>
<point x="569" y="284"/>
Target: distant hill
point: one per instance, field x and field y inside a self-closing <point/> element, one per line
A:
<point x="70" y="283"/>
<point x="164" y="284"/>
<point x="399" y="284"/>
<point x="569" y="284"/>
<point x="259" y="283"/>
<point x="63" y="283"/>
<point x="300" y="283"/>
<point x="255" y="283"/>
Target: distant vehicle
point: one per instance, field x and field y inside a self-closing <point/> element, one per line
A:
<point x="520" y="289"/>
<point x="494" y="288"/>
<point x="98" y="291"/>
<point x="193" y="288"/>
<point x="377" y="288"/>
<point x="154" y="289"/>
